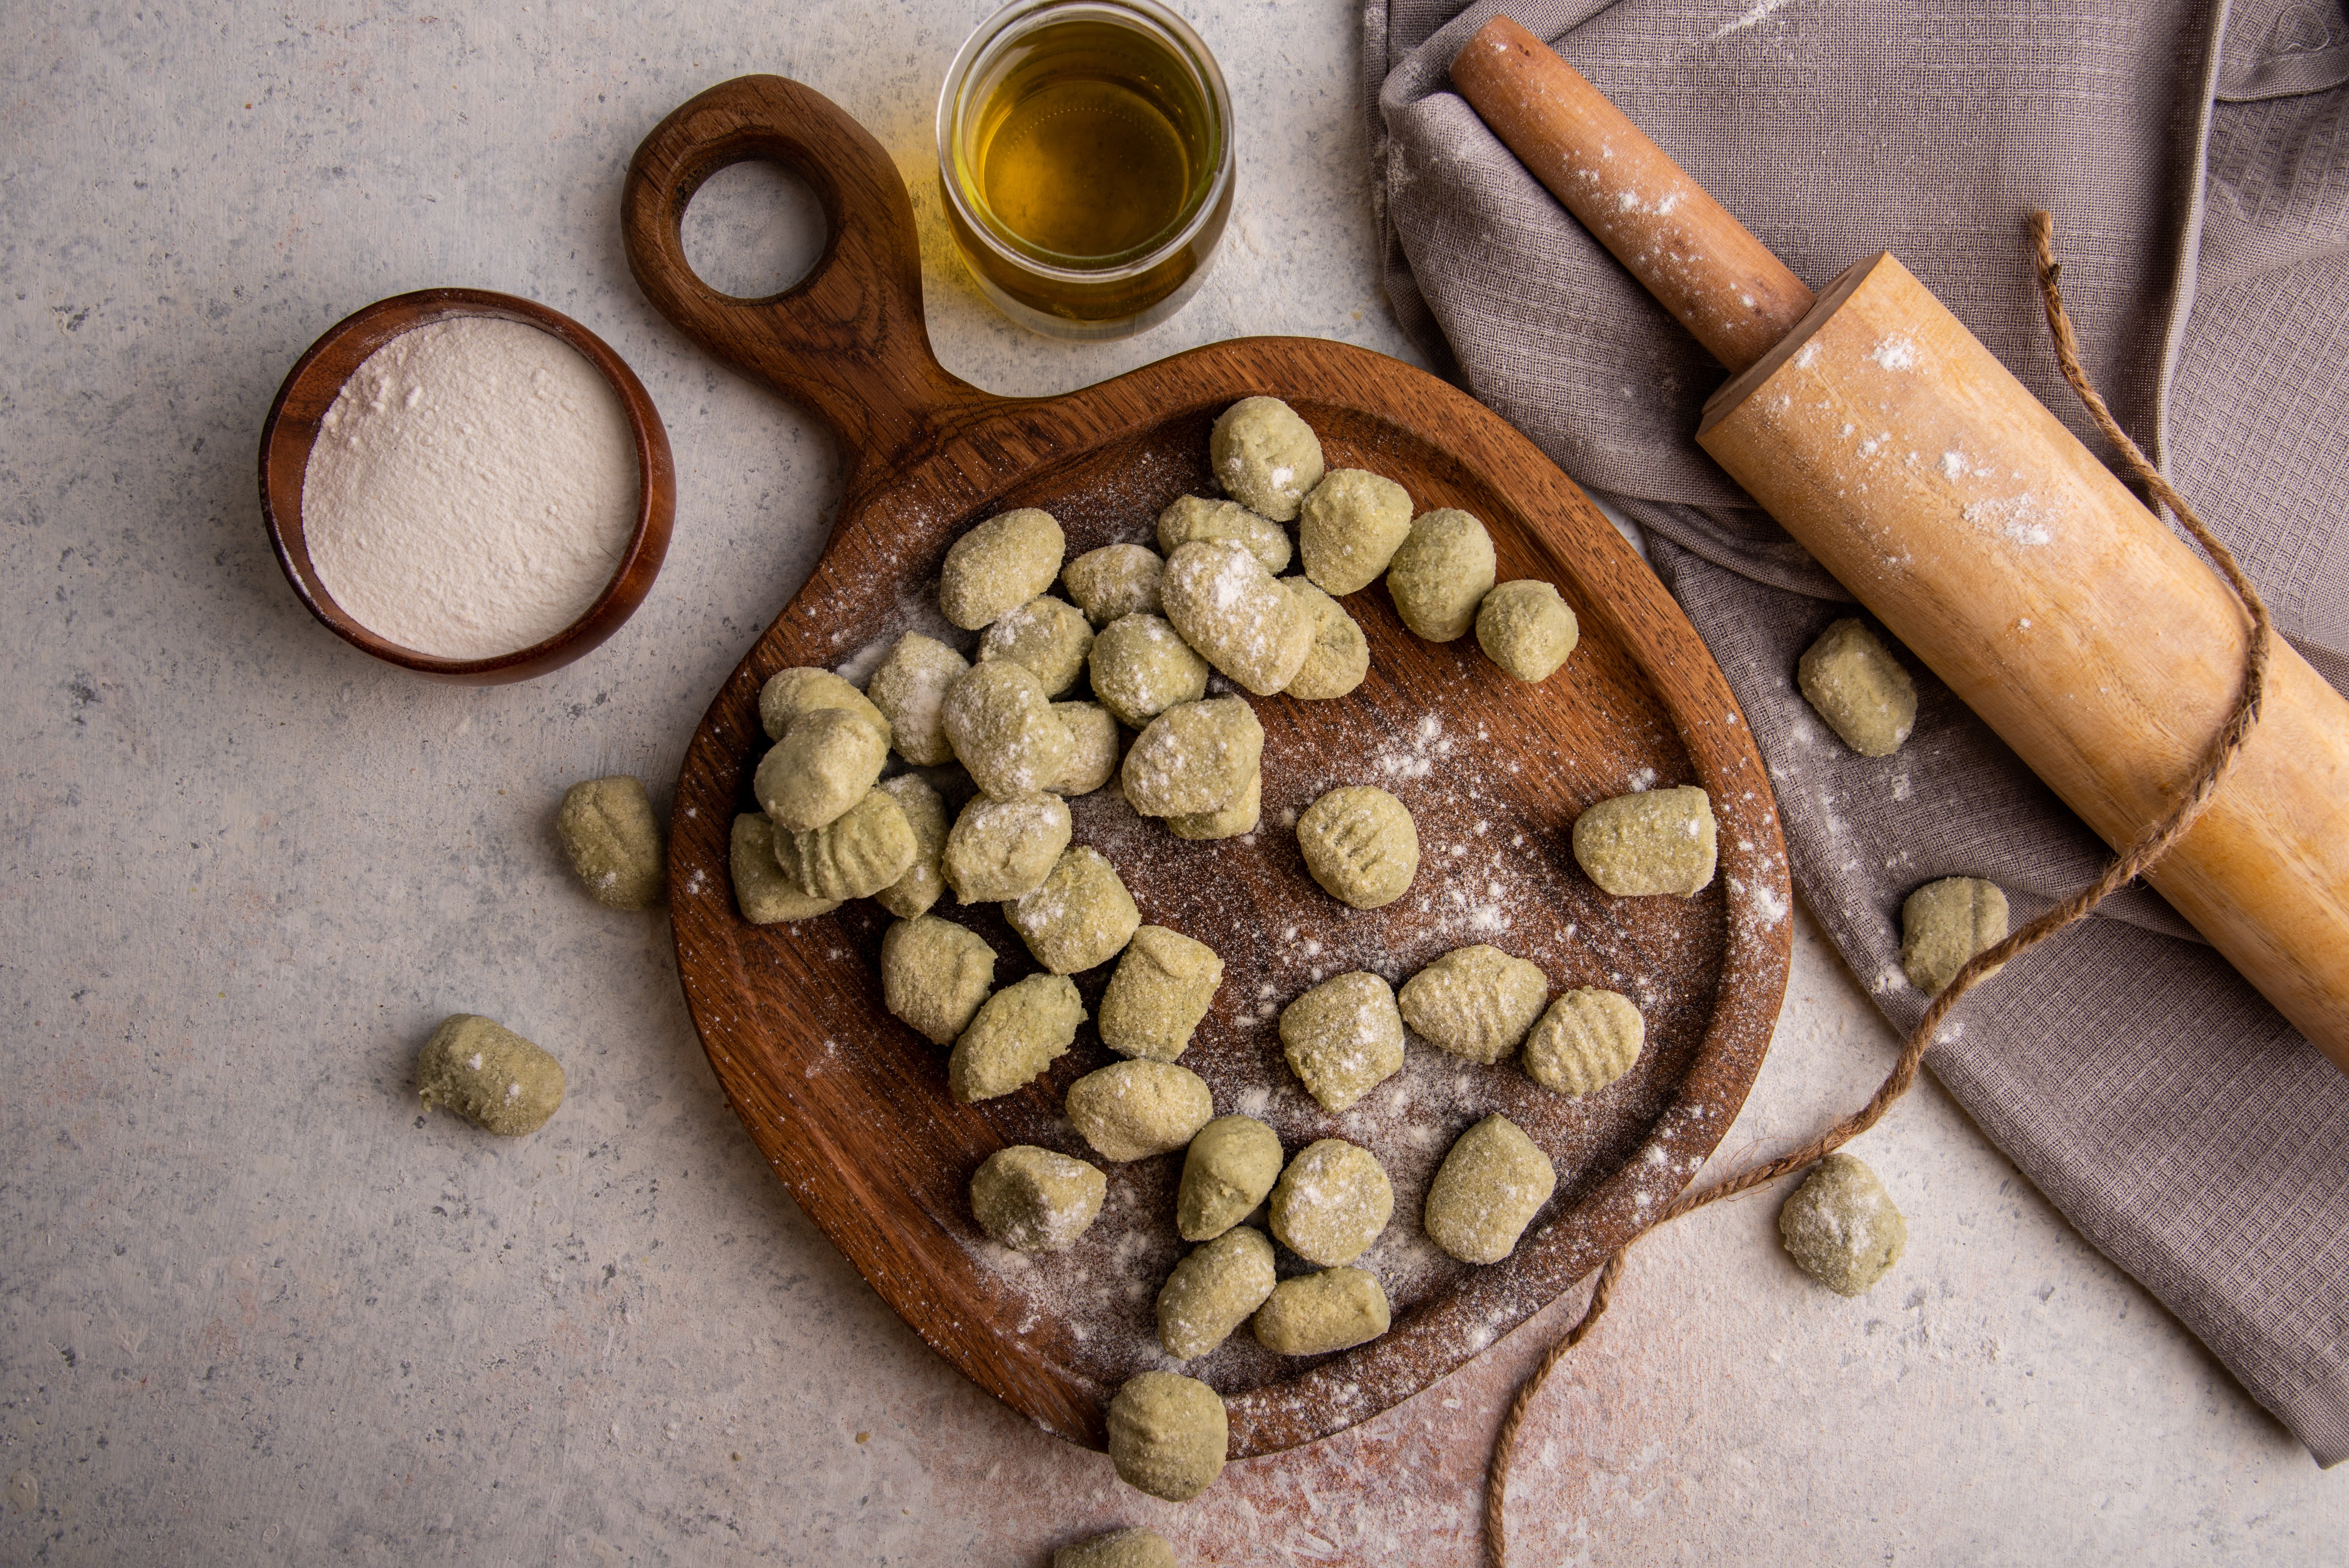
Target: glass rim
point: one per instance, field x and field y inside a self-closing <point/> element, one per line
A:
<point x="1002" y="27"/>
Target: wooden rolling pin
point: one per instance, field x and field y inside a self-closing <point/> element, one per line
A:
<point x="1875" y="427"/>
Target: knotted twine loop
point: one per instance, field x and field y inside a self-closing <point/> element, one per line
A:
<point x="2150" y="845"/>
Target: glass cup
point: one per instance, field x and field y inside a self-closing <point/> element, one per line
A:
<point x="1085" y="156"/>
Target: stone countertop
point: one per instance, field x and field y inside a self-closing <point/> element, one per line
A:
<point x="254" y="1309"/>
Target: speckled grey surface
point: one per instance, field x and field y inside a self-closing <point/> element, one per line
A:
<point x="254" y="1307"/>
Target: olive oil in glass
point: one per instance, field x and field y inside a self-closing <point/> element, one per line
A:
<point x="1085" y="151"/>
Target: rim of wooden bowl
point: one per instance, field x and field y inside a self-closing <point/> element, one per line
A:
<point x="309" y="390"/>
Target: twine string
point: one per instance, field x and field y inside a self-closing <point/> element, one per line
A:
<point x="2150" y="844"/>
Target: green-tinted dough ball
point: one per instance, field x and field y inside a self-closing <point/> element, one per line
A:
<point x="614" y="841"/>
<point x="1344" y="1038"/>
<point x="1587" y="1040"/>
<point x="1130" y="1111"/>
<point x="1034" y="1200"/>
<point x="999" y="720"/>
<point x="1840" y="1226"/>
<point x="1213" y="1291"/>
<point x="1050" y="638"/>
<point x="1359" y="845"/>
<point x="1855" y="684"/>
<point x="1193" y="518"/>
<point x="1660" y="840"/>
<point x="1246" y="811"/>
<point x="1232" y="1164"/>
<point x="1141" y="667"/>
<point x="999" y="850"/>
<point x="1487" y="1192"/>
<point x="1080" y="916"/>
<point x="1331" y="1202"/>
<point x="934" y="976"/>
<point x="761" y="891"/>
<point x="998" y="566"/>
<point x="1116" y="580"/>
<point x="1092" y="747"/>
<point x="827" y="761"/>
<point x="910" y="688"/>
<point x="1340" y="655"/>
<point x="1236" y="614"/>
<point x="1162" y="987"/>
<point x="1474" y="1002"/>
<point x="1167" y="1435"/>
<point x="1946" y="923"/>
<point x="1351" y="527"/>
<point x="489" y="1075"/>
<point x="918" y="887"/>
<point x="1525" y="628"/>
<point x="791" y="693"/>
<point x="1314" y="1314"/>
<point x="1017" y="1033"/>
<point x="854" y="855"/>
<point x="1265" y="457"/>
<point x="1441" y="573"/>
<point x="1136" y="1548"/>
<point x="1196" y="757"/>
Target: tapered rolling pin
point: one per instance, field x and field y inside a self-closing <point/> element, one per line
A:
<point x="1875" y="427"/>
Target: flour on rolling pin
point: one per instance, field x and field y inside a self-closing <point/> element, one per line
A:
<point x="1914" y="466"/>
<point x="1717" y="280"/>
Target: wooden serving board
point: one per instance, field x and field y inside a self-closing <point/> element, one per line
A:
<point x="850" y="1106"/>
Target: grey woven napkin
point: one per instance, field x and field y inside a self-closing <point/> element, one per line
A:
<point x="2198" y="166"/>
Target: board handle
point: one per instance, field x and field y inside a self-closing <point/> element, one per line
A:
<point x="846" y="342"/>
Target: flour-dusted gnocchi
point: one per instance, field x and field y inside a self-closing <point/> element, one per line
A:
<point x="1474" y="1002"/>
<point x="1216" y="1287"/>
<point x="1193" y="518"/>
<point x="1331" y="1202"/>
<point x="827" y="761"/>
<point x="1000" y="850"/>
<point x="1657" y="842"/>
<point x="1132" y="1110"/>
<point x="1344" y="1038"/>
<point x="999" y="720"/>
<point x="1196" y="757"/>
<point x="1359" y="845"/>
<point x="1265" y="457"/>
<point x="1141" y="667"/>
<point x="999" y="565"/>
<point x="1033" y="1200"/>
<point x="910" y="689"/>
<point x="1049" y="637"/>
<point x="1236" y="614"/>
<point x="1441" y="573"/>
<point x="1487" y="1192"/>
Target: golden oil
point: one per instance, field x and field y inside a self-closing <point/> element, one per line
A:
<point x="1085" y="150"/>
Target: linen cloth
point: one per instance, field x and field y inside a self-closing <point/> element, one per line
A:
<point x="2196" y="159"/>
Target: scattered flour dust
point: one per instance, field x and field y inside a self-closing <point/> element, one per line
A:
<point x="2023" y="519"/>
<point x="1896" y="354"/>
<point x="1754" y="16"/>
<point x="472" y="489"/>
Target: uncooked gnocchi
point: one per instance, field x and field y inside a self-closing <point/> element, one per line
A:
<point x="1359" y="845"/>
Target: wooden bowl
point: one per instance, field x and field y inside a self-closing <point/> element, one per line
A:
<point x="310" y="390"/>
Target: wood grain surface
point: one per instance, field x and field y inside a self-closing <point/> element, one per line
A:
<point x="850" y="1107"/>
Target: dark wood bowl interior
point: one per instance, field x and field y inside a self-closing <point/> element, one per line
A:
<point x="310" y="389"/>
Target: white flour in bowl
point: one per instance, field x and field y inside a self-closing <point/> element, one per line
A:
<point x="472" y="489"/>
